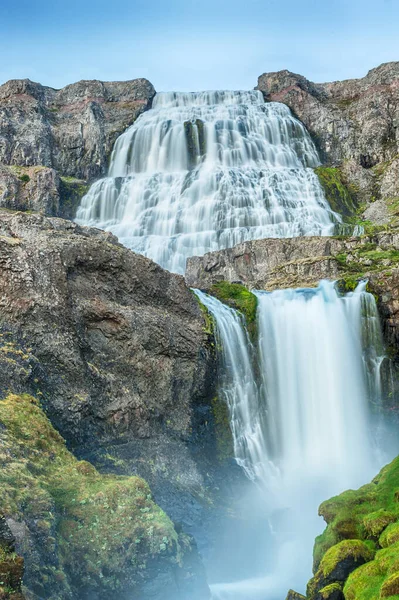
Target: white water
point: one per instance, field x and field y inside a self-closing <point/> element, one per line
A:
<point x="303" y="432"/>
<point x="204" y="171"/>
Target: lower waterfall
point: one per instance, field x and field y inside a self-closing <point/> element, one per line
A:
<point x="300" y="401"/>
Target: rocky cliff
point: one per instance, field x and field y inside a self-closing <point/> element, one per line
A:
<point x="117" y="353"/>
<point x="355" y="125"/>
<point x="68" y="133"/>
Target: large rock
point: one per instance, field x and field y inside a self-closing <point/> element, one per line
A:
<point x="71" y="130"/>
<point x="116" y="344"/>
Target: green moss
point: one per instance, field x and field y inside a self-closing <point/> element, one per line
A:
<point x="209" y="327"/>
<point x="224" y="438"/>
<point x="390" y="535"/>
<point x="24" y="178"/>
<point x="363" y="259"/>
<point x="11" y="572"/>
<point x="340" y="196"/>
<point x="355" y="549"/>
<point x="101" y="529"/>
<point x="364" y="583"/>
<point x="330" y="590"/>
<point x="237" y="296"/>
<point x="375" y="522"/>
<point x="370" y="516"/>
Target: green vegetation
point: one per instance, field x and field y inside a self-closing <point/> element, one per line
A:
<point x="237" y="296"/>
<point x="100" y="530"/>
<point x="365" y="521"/>
<point x="11" y="571"/>
<point x="340" y="195"/>
<point x="24" y="178"/>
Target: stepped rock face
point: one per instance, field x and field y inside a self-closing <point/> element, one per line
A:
<point x="71" y="130"/>
<point x="355" y="124"/>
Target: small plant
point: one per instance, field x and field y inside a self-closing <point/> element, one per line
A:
<point x="24" y="178"/>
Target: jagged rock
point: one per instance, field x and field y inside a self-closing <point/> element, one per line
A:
<point x="119" y="342"/>
<point x="71" y="130"/>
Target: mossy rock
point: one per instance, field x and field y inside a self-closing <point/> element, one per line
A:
<point x="372" y="513"/>
<point x="390" y="587"/>
<point x="343" y="558"/>
<point x="101" y="531"/>
<point x="333" y="591"/>
<point x="340" y="196"/>
<point x="11" y="572"/>
<point x="337" y="563"/>
<point x="71" y="193"/>
<point x="390" y="535"/>
<point x="376" y="522"/>
<point x="240" y="298"/>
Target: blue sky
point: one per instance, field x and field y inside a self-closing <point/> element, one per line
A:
<point x="187" y="45"/>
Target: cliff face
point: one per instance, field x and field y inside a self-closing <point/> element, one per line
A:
<point x="116" y="344"/>
<point x="355" y="125"/>
<point x="69" y="132"/>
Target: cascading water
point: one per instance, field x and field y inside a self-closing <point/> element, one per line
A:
<point x="204" y="171"/>
<point x="303" y="433"/>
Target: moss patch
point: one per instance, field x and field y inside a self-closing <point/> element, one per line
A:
<point x="340" y="196"/>
<point x="100" y="530"/>
<point x="238" y="297"/>
<point x="370" y="517"/>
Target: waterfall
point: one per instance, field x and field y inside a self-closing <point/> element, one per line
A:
<point x="302" y="430"/>
<point x="205" y="171"/>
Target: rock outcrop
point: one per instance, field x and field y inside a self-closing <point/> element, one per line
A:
<point x="82" y="534"/>
<point x="118" y="354"/>
<point x="355" y="125"/>
<point x="70" y="132"/>
<point x="113" y="343"/>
